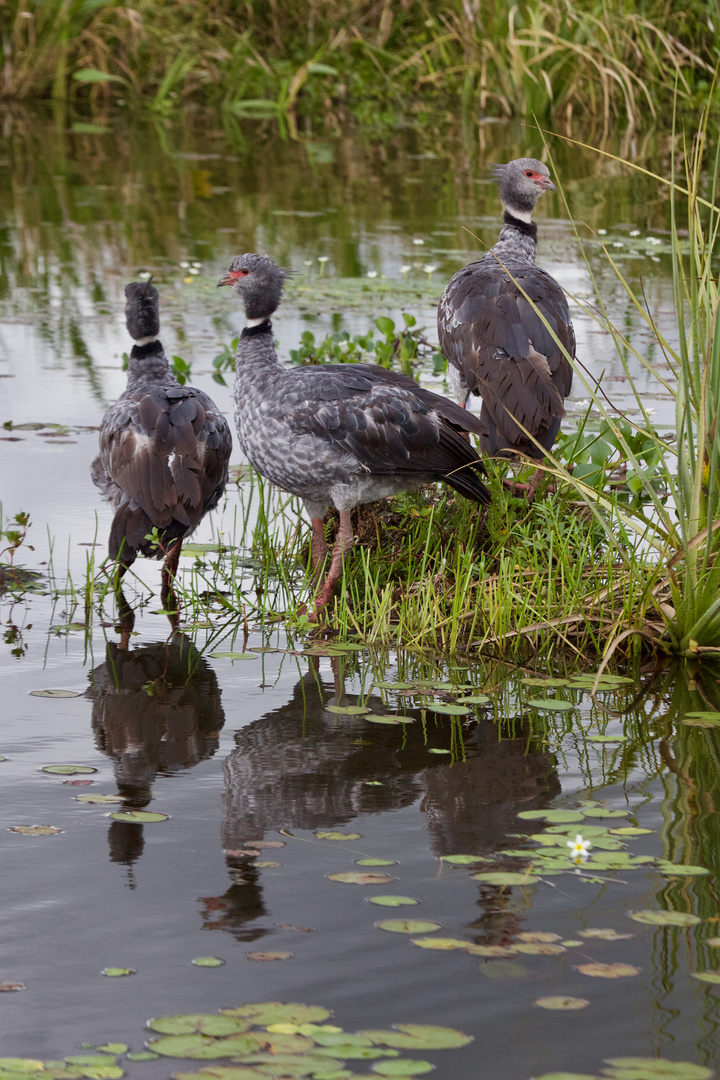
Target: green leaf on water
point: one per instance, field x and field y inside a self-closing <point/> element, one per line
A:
<point x="375" y="862"/>
<point x="602" y="812"/>
<point x="347" y="710"/>
<point x="55" y="693"/>
<point x="680" y="869"/>
<point x="420" y="1037"/>
<point x="353" y="1051"/>
<point x="392" y="901"/>
<point x="606" y="738"/>
<point x="91" y="1060"/>
<point x="655" y="1067"/>
<point x="276" y="1012"/>
<point x="234" y="655"/>
<point x="407" y="926"/>
<point x="325" y="834"/>
<point x="504" y="877"/>
<point x="462" y="860"/>
<point x="67" y="770"/>
<point x="114" y="1048"/>
<point x="213" y="1024"/>
<point x="441" y="944"/>
<point x="394" y="685"/>
<point x="402" y="1067"/>
<point x="561" y="1003"/>
<point x="391" y="721"/>
<point x="201" y="1047"/>
<point x="447" y="708"/>
<point x="630" y="830"/>
<point x="706" y="976"/>
<point x="544" y="682"/>
<point x="355" y="877"/>
<point x="117" y="972"/>
<point x="438" y="750"/>
<point x="100" y="799"/>
<point x="22" y="1065"/>
<point x="553" y="816"/>
<point x="207" y="961"/>
<point x="138" y="817"/>
<point x="143" y="1055"/>
<point x="665" y="918"/>
<point x="551" y="704"/>
<point x="474" y="699"/>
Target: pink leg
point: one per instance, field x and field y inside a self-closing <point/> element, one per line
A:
<point x="343" y="544"/>
<point x="529" y="490"/>
<point x="319" y="548"/>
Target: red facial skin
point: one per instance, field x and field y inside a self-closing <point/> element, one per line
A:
<point x="232" y="276"/>
<point x="543" y="182"/>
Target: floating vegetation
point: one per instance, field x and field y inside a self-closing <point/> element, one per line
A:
<point x="36" y="830"/>
<point x="138" y="817"/>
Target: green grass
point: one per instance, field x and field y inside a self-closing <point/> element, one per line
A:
<point x="590" y="59"/>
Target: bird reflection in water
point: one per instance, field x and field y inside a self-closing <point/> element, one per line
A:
<point x="156" y="709"/>
<point x="301" y="767"/>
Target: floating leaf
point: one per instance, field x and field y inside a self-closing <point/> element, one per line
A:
<point x="261" y="844"/>
<point x="286" y="1065"/>
<point x="56" y="693"/>
<point x="117" y="972"/>
<point x="347" y="710"/>
<point x="544" y="682"/>
<point x="604" y="934"/>
<point x="491" y="950"/>
<point x="539" y="937"/>
<point x="358" y="878"/>
<point x="420" y="1037"/>
<point x="392" y="901"/>
<point x="532" y="949"/>
<point x="138" y="817"/>
<point x="201" y="1047"/>
<point x="551" y="704"/>
<point x="606" y="738"/>
<point x="67" y="770"/>
<point x="115" y="1048"/>
<point x="462" y="860"/>
<point x="665" y="918"/>
<point x="323" y="834"/>
<point x="234" y="655"/>
<point x="394" y="685"/>
<point x="657" y="1067"/>
<point x="353" y="1051"/>
<point x="207" y="961"/>
<point x="375" y="862"/>
<point x="402" y="1068"/>
<point x="607" y="971"/>
<point x="560" y="1003"/>
<point x="630" y="830"/>
<point x="36" y="830"/>
<point x="680" y="869"/>
<point x="474" y="699"/>
<point x="391" y="721"/>
<point x="143" y="1055"/>
<point x="276" y="1012"/>
<point x="706" y="976"/>
<point x="553" y="816"/>
<point x="714" y="941"/>
<point x="407" y="926"/>
<point x="601" y="812"/>
<point x="504" y="877"/>
<point x="447" y="709"/>
<point x="100" y="799"/>
<point x="90" y="1059"/>
<point x="267" y="956"/>
<point x="437" y="750"/>
<point x="205" y="1023"/>
<point x="443" y="944"/>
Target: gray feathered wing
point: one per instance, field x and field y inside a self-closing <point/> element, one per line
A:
<point x="163" y="463"/>
<point x="495" y="338"/>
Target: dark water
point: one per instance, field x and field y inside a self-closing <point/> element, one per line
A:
<point x="236" y="751"/>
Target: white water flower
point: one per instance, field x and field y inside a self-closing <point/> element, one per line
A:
<point x="618" y="243"/>
<point x="653" y="240"/>
<point x="184" y="265"/>
<point x="430" y="268"/>
<point x="418" y="242"/>
<point x="193" y="270"/>
<point x="308" y="262"/>
<point x="602" y="232"/>
<point x="579" y="848"/>
<point x="634" y="232"/>
<point x="323" y="258"/>
<point x="372" y="273"/>
<point x="405" y="269"/>
<point x="144" y="275"/>
<point x="197" y="265"/>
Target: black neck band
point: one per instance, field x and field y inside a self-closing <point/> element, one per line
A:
<point x="140" y="352"/>
<point x="265" y="327"/>
<point x="527" y="228"/>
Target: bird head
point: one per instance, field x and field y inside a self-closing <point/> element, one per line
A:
<point x="522" y="182"/>
<point x="142" y="314"/>
<point x="258" y="281"/>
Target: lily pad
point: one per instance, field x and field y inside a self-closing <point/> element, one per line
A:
<point x="606" y="738"/>
<point x="402" y="1068"/>
<point x="556" y="817"/>
<point x="665" y="918"/>
<point x="551" y="704"/>
<point x="392" y="901"/>
<point x="114" y="1048"/>
<point x="442" y="944"/>
<point x="438" y="750"/>
<point x="447" y="709"/>
<point x="390" y="721"/>
<point x="537" y="949"/>
<point x="201" y="1047"/>
<point x="560" y="1003"/>
<point x="268" y="955"/>
<point x="394" y="685"/>
<point x="504" y="877"/>
<point x="375" y="862"/>
<point x="706" y="976"/>
<point x="138" y="817"/>
<point x="99" y="799"/>
<point x="462" y="860"/>
<point x="474" y="699"/>
<point x="630" y="830"/>
<point x="680" y="869"/>
<point x="408" y="926"/>
<point x="67" y="770"/>
<point x="17" y="1064"/>
<point x="214" y="1024"/>
<point x="36" y="830"/>
<point x="347" y="710"/>
<point x="602" y="812"/>
<point x="56" y="693"/>
<point x="656" y="1067"/>
<point x="419" y="1037"/>
<point x="234" y="655"/>
<point x="355" y="877"/>
<point x="207" y="961"/>
<point x="608" y="971"/>
<point x="544" y="682"/>
<point x="117" y="972"/>
<point x="604" y="934"/>
<point x="276" y="1012"/>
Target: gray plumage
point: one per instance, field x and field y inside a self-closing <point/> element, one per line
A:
<point x="164" y="448"/>
<point x="339" y="434"/>
<point x="496" y="343"/>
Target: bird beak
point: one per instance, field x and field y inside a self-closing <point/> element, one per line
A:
<point x="545" y="183"/>
<point x="229" y="279"/>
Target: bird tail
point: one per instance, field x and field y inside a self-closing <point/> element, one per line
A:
<point x="129" y="532"/>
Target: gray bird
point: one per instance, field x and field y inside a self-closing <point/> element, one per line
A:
<point x="496" y="343"/>
<point x="164" y="449"/>
<point x="338" y="434"/>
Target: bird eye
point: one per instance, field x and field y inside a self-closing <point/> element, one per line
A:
<point x="243" y="273"/>
<point x="529" y="172"/>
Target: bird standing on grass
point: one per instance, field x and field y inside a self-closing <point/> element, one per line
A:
<point x="498" y="345"/>
<point x="164" y="450"/>
<point x="338" y="434"/>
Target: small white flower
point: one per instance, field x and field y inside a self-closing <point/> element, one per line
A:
<point x="197" y="265"/>
<point x="654" y="240"/>
<point x="184" y="265"/>
<point x="579" y="848"/>
<point x="602" y="232"/>
<point x="418" y="242"/>
<point x="343" y="346"/>
<point x="634" y="232"/>
<point x="584" y="403"/>
<point x="430" y="268"/>
<point x="618" y="243"/>
<point x="649" y="412"/>
<point x="323" y="258"/>
<point x="372" y="273"/>
<point x="193" y="270"/>
<point x="655" y="258"/>
<point x="405" y="269"/>
<point x="308" y="262"/>
<point x="144" y="275"/>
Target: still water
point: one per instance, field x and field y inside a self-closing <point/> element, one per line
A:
<point x="237" y="751"/>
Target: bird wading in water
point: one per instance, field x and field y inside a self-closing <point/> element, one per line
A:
<point x="338" y="434"/>
<point x="164" y="451"/>
<point x="496" y="342"/>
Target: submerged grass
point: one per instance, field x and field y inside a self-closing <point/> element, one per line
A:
<point x="605" y="59"/>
